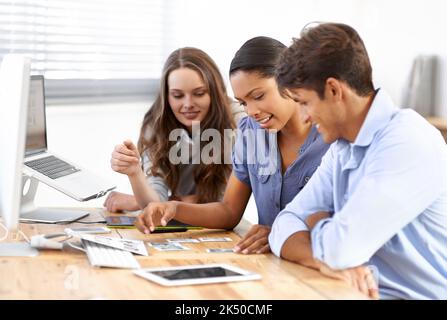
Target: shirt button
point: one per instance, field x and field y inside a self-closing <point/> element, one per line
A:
<point x="306" y="179"/>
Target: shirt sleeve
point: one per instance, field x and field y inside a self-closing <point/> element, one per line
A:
<point x="315" y="196"/>
<point x="156" y="182"/>
<point x="402" y="178"/>
<point x="239" y="155"/>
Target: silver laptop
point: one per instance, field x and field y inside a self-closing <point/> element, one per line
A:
<point x="49" y="168"/>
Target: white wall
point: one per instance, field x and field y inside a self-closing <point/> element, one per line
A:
<point x="394" y="31"/>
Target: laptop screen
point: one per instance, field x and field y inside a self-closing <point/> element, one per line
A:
<point x="36" y="135"/>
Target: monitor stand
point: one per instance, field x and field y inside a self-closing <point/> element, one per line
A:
<point x="16" y="248"/>
<point x="29" y="213"/>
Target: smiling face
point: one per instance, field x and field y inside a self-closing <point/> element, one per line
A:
<point x="262" y="101"/>
<point x="325" y="114"/>
<point x="188" y="96"/>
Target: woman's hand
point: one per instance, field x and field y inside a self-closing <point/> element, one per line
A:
<point x="118" y="202"/>
<point x="255" y="241"/>
<point x="156" y="214"/>
<point x="126" y="158"/>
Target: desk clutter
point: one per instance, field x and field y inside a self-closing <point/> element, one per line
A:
<point x="63" y="273"/>
<point x="114" y="252"/>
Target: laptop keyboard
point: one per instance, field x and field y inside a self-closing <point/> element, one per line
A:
<point x="52" y="167"/>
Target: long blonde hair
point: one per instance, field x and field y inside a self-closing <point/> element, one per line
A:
<point x="210" y="179"/>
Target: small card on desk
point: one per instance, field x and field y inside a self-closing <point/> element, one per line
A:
<point x="168" y="246"/>
<point x="220" y="250"/>
<point x="183" y="240"/>
<point x="134" y="246"/>
<point x="211" y="239"/>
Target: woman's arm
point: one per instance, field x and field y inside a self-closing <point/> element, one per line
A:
<point x="143" y="192"/>
<point x="126" y="160"/>
<point x="192" y="198"/>
<point x="216" y="215"/>
<point x="225" y="214"/>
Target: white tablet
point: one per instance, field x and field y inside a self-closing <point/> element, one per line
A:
<point x="196" y="274"/>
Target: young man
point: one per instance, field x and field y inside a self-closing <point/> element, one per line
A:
<point x="379" y="196"/>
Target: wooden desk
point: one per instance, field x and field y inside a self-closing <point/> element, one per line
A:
<point x="440" y="124"/>
<point x="67" y="274"/>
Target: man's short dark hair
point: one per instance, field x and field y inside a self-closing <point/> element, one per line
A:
<point x="327" y="50"/>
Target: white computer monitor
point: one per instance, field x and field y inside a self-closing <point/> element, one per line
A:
<point x="14" y="90"/>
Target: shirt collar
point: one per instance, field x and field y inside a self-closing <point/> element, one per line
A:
<point x="380" y="113"/>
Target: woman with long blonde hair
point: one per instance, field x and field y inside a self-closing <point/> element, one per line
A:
<point x="192" y="90"/>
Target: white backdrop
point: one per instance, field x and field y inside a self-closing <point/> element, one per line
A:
<point x="394" y="31"/>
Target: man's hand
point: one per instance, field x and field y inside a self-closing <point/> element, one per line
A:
<point x="156" y="214"/>
<point x="360" y="278"/>
<point x="255" y="241"/>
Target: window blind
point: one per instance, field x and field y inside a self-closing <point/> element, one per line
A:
<point x="88" y="47"/>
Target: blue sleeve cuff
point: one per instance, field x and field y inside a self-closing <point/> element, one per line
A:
<point x="285" y="225"/>
<point x="242" y="175"/>
<point x="316" y="241"/>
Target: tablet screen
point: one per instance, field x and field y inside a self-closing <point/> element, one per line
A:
<point x="196" y="273"/>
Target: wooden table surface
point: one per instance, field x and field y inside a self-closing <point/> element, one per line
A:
<point x="67" y="274"/>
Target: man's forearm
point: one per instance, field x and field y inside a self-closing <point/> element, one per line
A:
<point x="298" y="249"/>
<point x="313" y="219"/>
